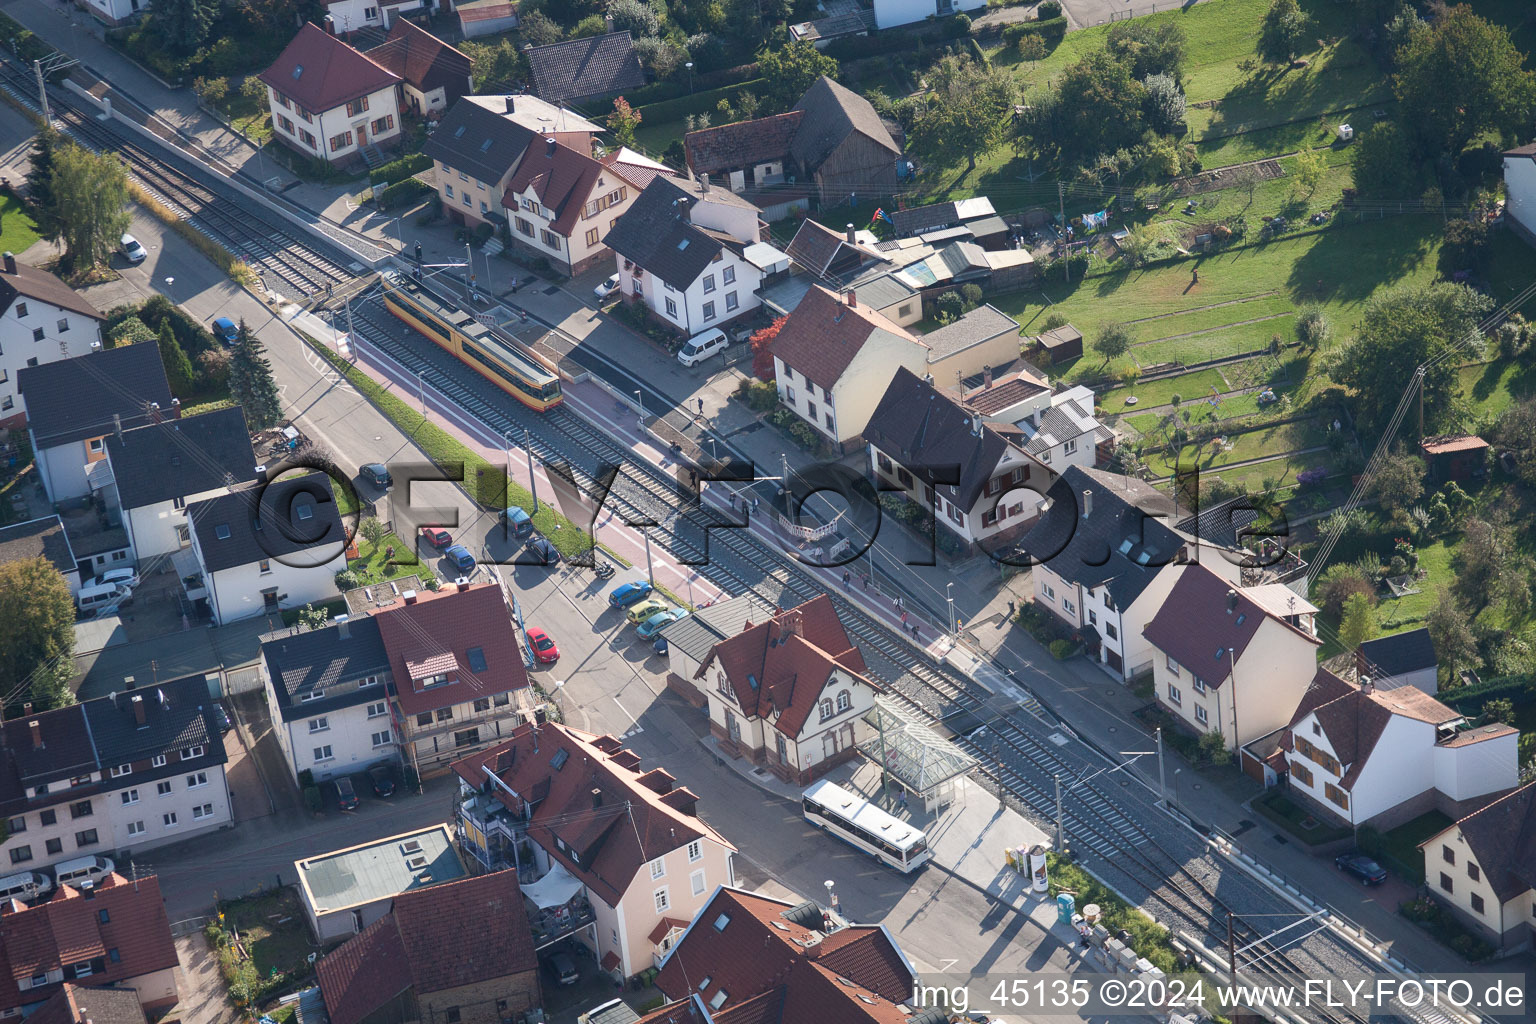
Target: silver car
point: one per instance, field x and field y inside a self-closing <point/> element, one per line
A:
<point x="133" y="250"/>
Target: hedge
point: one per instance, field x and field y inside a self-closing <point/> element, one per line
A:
<point x="697" y="103"/>
<point x="400" y="193"/>
<point x="1046" y="27"/>
<point x="29" y="47"/>
<point x="1469" y="700"/>
<point x="658" y="92"/>
<point x="856" y="47"/>
<point x="399" y="170"/>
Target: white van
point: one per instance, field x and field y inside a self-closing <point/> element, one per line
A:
<point x="701" y="346"/>
<point x="126" y="577"/>
<point x="28" y="885"/>
<point x="101" y="596"/>
<point x="83" y="872"/>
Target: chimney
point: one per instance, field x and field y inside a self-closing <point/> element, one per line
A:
<point x="462" y="583"/>
<point x="261" y="474"/>
<point x="1087" y="502"/>
<point x="704" y="183"/>
<point x="510" y="100"/>
<point x="175" y="408"/>
<point x="986" y="376"/>
<point x="597" y="798"/>
<point x="549" y="148"/>
<point x="1231" y="601"/>
<point x="848" y="229"/>
<point x="608" y="21"/>
<point x="26" y="709"/>
<point x="1366" y="686"/>
<point x="409" y="596"/>
<point x="10" y="263"/>
<point x="789" y="624"/>
<point x="138" y="711"/>
<point x="976" y="425"/>
<point x="37" y="734"/>
<point x="851" y="297"/>
<point x="330" y="24"/>
<point x="154" y="412"/>
<point x="343" y="626"/>
<point x="128" y="682"/>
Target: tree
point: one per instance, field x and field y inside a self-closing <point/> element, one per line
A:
<point x="1095" y="109"/>
<point x="1358" y="624"/>
<point x="1339" y="583"/>
<point x="1461" y="79"/>
<point x="1282" y="33"/>
<point x="251" y="383"/>
<point x="790" y="70"/>
<point x="967" y="112"/>
<point x="1053" y="321"/>
<point x="1213" y="747"/>
<point x="1468" y="243"/>
<point x="1401" y="329"/>
<point x="40" y="182"/>
<point x="659" y="56"/>
<point x="1150" y="46"/>
<point x="37" y="634"/>
<point x="948" y="307"/>
<point x="1032" y="48"/>
<point x="494" y="63"/>
<point x="636" y="17"/>
<point x="1515" y="431"/>
<point x="1451" y="634"/>
<point x="536" y="29"/>
<point x="1382" y="161"/>
<point x="130" y="332"/>
<point x="91" y="201"/>
<point x="1312" y="328"/>
<point x="1499" y="709"/>
<point x="1165" y="102"/>
<point x="1112" y="341"/>
<point x="182" y="25"/>
<point x="762" y="349"/>
<point x="1310" y="170"/>
<point x="178" y="368"/>
<point x="311" y="617"/>
<point x="623" y="122"/>
<point x="213" y="369"/>
<point x="1399" y="483"/>
<point x="211" y="91"/>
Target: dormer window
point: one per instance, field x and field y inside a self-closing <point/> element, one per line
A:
<point x="222" y="531"/>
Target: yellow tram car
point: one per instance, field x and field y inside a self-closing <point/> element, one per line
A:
<point x="527" y="377"/>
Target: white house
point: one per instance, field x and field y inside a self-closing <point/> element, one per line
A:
<point x="1402" y="659"/>
<point x="1520" y="187"/>
<point x="1361" y="755"/>
<point x="74" y="405"/>
<point x="1104" y="557"/>
<point x="561" y="202"/>
<point x="433" y="74"/>
<point x="1223" y="663"/>
<point x="328" y="694"/>
<point x="153" y="472"/>
<point x="978" y="482"/>
<point x="330" y="101"/>
<point x="1484" y="868"/>
<point x="42" y="320"/>
<point x="893" y="13"/>
<point x="690" y="253"/>
<point x="833" y="360"/>
<point x="347" y="16"/>
<point x="261" y="548"/>
<point x="614" y="853"/>
<point x="790" y="692"/>
<point x="118" y="12"/>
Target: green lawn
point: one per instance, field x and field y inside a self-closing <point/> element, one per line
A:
<point x="17" y="230"/>
<point x="375" y="564"/>
<point x="1399" y="848"/>
<point x="1161" y="392"/>
<point x="1253" y="444"/>
<point x="1215" y="342"/>
<point x="1204" y="318"/>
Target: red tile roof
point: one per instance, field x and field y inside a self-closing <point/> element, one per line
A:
<point x="781" y="666"/>
<point x="436" y="634"/>
<point x="822" y="335"/>
<point x="772" y="968"/>
<point x="741" y="145"/>
<point x="460" y="933"/>
<point x="69" y="928"/>
<point x="1355" y="720"/>
<point x="320" y="72"/>
<point x="684" y="1011"/>
<point x="562" y="179"/>
<point x="556" y="769"/>
<point x="1452" y="443"/>
<point x="663" y="926"/>
<point x="423" y="60"/>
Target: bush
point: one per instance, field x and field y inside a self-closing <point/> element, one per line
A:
<point x="399" y="170"/>
<point x="1052" y="28"/>
<point x="1048" y="9"/>
<point x="306" y="778"/>
<point x="698" y="102"/>
<point x="1213" y="748"/>
<point x="215" y="936"/>
<point x="348" y="579"/>
<point x="400" y="193"/>
<point x="760" y="395"/>
<point x="1061" y="649"/>
<point x="312" y="799"/>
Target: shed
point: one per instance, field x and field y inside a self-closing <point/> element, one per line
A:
<point x="1454" y="456"/>
<point x="486" y="17"/>
<point x="1061" y="343"/>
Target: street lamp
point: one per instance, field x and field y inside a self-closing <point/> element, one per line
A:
<point x="640" y="405"/>
<point x="949" y="596"/>
<point x="1178" y="789"/>
<point x="689" y="66"/>
<point x="831" y="894"/>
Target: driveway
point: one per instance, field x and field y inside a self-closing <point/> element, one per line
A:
<point x="247" y="792"/>
<point x="249" y="710"/>
<point x="204" y="998"/>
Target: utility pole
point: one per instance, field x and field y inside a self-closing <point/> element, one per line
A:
<point x="507" y="450"/>
<point x="885" y="779"/>
<point x="1231" y="952"/>
<point x="1162" y="780"/>
<point x="533" y="485"/>
<point x="650" y="573"/>
<point x="784" y="475"/>
<point x="1419" y="374"/>
<point x="469" y="273"/>
<point x="351" y="331"/>
<point x="1061" y="198"/>
<point x="42" y="91"/>
<point x="1061" y="838"/>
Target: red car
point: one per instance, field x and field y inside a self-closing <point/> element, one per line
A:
<point x="544" y="650"/>
<point x="437" y="536"/>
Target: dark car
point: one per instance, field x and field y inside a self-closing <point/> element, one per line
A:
<point x="222" y="717"/>
<point x="626" y="594"/>
<point x="377" y="474"/>
<point x="346" y="796"/>
<point x="1362" y="867"/>
<point x="560" y="967"/>
<point x="383" y="781"/>
<point x="543" y="552"/>
<point x="461" y="558"/>
<point x="225" y="330"/>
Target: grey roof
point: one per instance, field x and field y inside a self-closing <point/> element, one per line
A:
<point x="1056" y="427"/>
<point x="1122" y="544"/>
<point x="1223" y="523"/>
<point x="73" y="399"/>
<point x="924" y="430"/>
<point x="379" y="870"/>
<point x="656" y="234"/>
<point x="918" y="219"/>
<point x="178" y="457"/>
<point x="592" y="66"/>
<point x="881" y="291"/>
<point x="38" y="538"/>
<point x="964" y="258"/>
<point x="986" y="227"/>
<point x="832" y="113"/>
<point x="177" y="714"/>
<point x="320" y="659"/>
<point x="981" y="324"/>
<point x="1401" y="653"/>
<point x="697" y="635"/>
<point x="65" y="748"/>
<point x="480" y="142"/>
<point x="271" y="529"/>
<point x="615" y="1011"/>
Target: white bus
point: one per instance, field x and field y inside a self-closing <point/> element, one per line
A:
<point x="857" y="821"/>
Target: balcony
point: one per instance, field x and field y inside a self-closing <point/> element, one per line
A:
<point x="551" y="924"/>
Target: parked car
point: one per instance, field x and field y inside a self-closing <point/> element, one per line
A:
<point x="1362" y="867"/>
<point x="462" y="560"/>
<point x="660" y="621"/>
<point x="544" y="552"/>
<point x="607" y="288"/>
<point x="626" y="594"/>
<point x="560" y="967"/>
<point x="346" y="795"/>
<point x="377" y="474"/>
<point x="545" y="652"/>
<point x="518" y="522"/>
<point x="701" y="346"/>
<point x="225" y="330"/>
<point x="133" y="250"/>
<point x="383" y="781"/>
<point x="222" y="717"/>
<point x="437" y="537"/>
<point x="121" y="577"/>
<point x="638" y="613"/>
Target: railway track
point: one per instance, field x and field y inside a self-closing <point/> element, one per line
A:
<point x="253" y="235"/>
<point x="1175" y="878"/>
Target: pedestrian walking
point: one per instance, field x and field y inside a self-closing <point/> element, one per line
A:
<point x="898" y="602"/>
<point x="1195" y="276"/>
<point x="915" y="631"/>
<point x="901" y="798"/>
<point x="846" y="577"/>
<point x="903" y="621"/>
<point x="866" y="581"/>
<point x="701" y="407"/>
<point x="1010" y="609"/>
